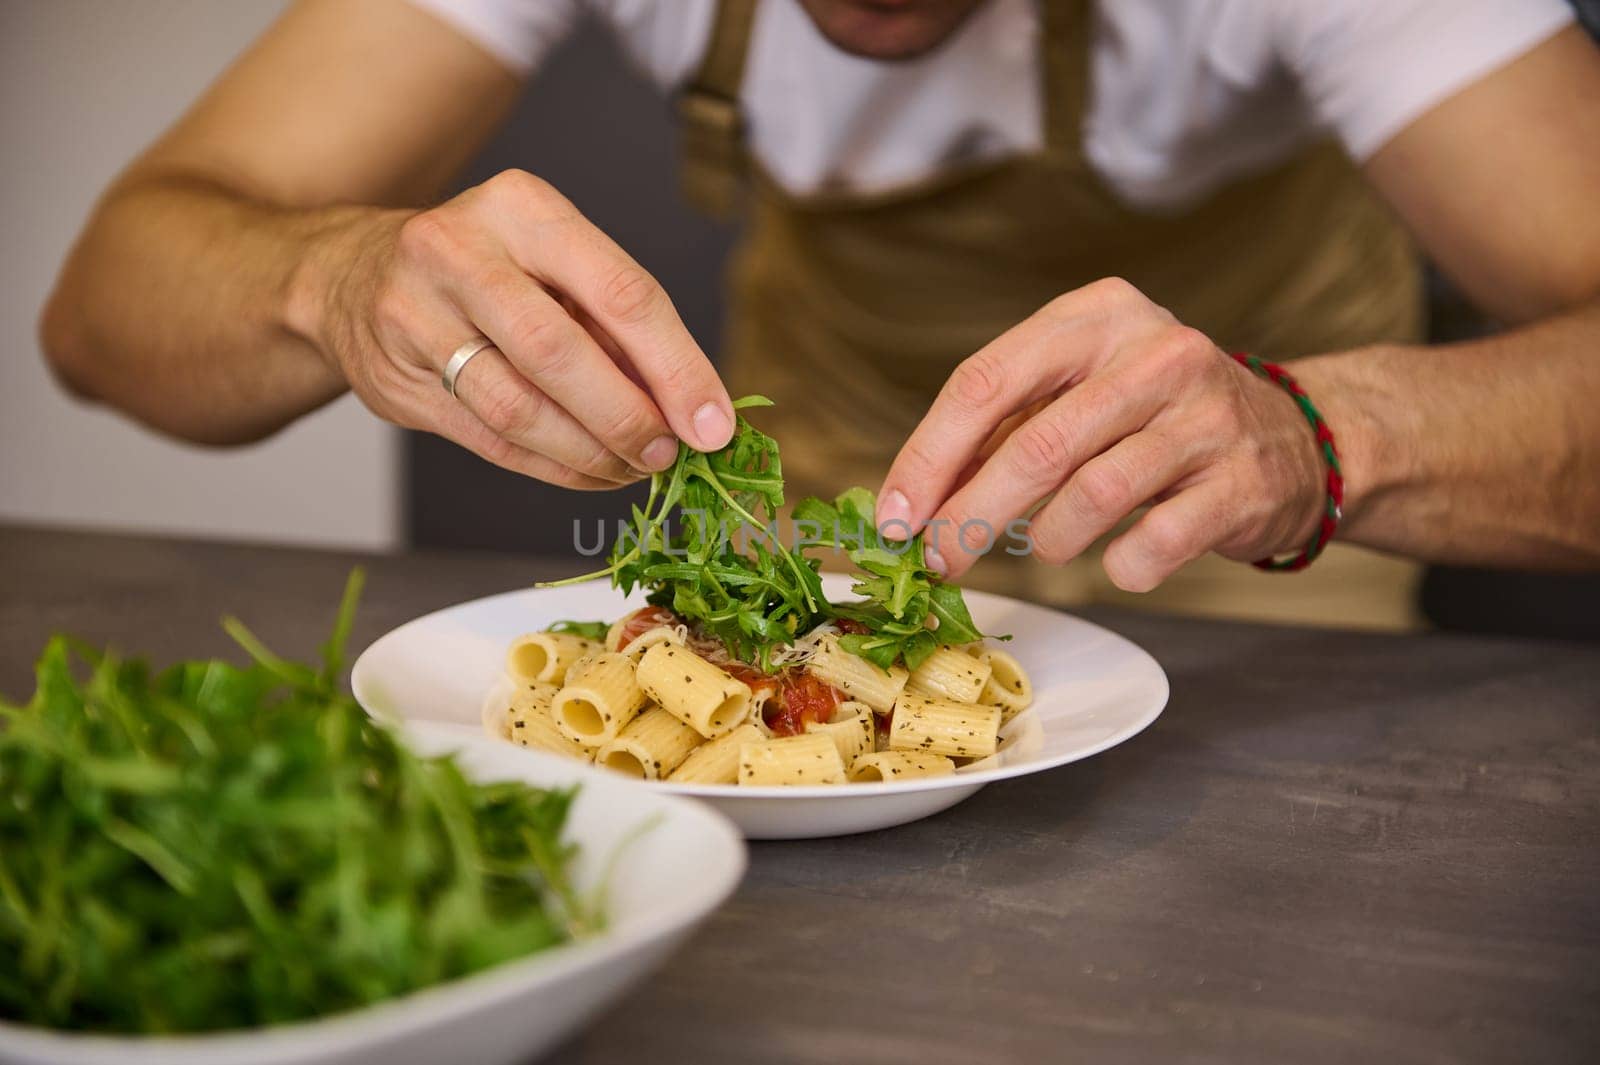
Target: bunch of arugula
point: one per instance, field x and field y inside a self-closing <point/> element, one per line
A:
<point x="753" y="599"/>
<point x="726" y="569"/>
<point x="901" y="592"/>
<point x="220" y="847"/>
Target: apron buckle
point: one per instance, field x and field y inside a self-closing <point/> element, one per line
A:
<point x="713" y="171"/>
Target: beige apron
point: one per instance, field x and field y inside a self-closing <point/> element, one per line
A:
<point x="851" y="311"/>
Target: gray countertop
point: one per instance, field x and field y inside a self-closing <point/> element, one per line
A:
<point x="1331" y="847"/>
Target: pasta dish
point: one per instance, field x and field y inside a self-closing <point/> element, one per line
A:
<point x="740" y="671"/>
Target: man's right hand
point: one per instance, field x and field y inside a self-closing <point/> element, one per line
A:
<point x="592" y="378"/>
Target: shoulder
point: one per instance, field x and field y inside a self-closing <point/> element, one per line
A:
<point x="519" y="33"/>
<point x="1366" y="68"/>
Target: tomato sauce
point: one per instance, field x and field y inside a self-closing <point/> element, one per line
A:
<point x="801" y="699"/>
<point x="759" y="682"/>
<point x="644" y="619"/>
<point x="796" y="697"/>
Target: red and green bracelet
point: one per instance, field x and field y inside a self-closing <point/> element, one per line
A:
<point x="1333" y="510"/>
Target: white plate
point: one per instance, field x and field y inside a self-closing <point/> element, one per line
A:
<point x="1092" y="690"/>
<point x="665" y="881"/>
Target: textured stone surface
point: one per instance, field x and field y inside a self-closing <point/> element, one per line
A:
<point x="1331" y="847"/>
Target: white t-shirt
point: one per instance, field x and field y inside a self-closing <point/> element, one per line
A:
<point x="1185" y="94"/>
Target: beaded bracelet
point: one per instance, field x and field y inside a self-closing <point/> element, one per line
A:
<point x="1333" y="511"/>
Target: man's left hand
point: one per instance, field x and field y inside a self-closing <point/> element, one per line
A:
<point x="1111" y="404"/>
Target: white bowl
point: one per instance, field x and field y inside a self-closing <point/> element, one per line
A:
<point x="1093" y="689"/>
<point x="665" y="881"/>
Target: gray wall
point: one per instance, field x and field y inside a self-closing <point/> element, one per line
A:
<point x="84" y="85"/>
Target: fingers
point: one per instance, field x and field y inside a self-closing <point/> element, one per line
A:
<point x="1169" y="537"/>
<point x="574" y="256"/>
<point x="419" y="328"/>
<point x="512" y="408"/>
<point x="454" y="421"/>
<point x="486" y="444"/>
<point x="600" y="336"/>
<point x="1038" y="358"/>
<point x="560" y="360"/>
<point x="497" y="253"/>
<point x="1105" y="490"/>
<point x="1031" y="463"/>
<point x="983" y="392"/>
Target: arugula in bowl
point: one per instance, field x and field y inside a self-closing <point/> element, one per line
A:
<point x="211" y="847"/>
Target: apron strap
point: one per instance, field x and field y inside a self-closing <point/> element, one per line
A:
<point x="714" y="167"/>
<point x="1067" y="31"/>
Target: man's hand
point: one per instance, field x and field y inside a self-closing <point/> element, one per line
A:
<point x="1120" y="405"/>
<point x="592" y="378"/>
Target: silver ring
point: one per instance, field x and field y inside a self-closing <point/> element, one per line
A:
<point x="459" y="359"/>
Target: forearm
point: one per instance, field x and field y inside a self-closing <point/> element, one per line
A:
<point x="176" y="306"/>
<point x="1486" y="452"/>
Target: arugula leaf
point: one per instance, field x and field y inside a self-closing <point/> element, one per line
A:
<point x="955" y="623"/>
<point x="589" y="630"/>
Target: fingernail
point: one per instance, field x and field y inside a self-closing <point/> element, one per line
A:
<point x="894" y="515"/>
<point x="659" y="453"/>
<point x="713" y="426"/>
<point x="934" y="560"/>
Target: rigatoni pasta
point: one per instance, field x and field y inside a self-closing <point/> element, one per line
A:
<point x="600" y="696"/>
<point x="859" y="679"/>
<point x="938" y="726"/>
<point x="522" y="715"/>
<point x="950" y="673"/>
<point x="537" y="730"/>
<point x="899" y="765"/>
<point x="790" y="761"/>
<point x="658" y="701"/>
<point x="693" y="690"/>
<point x="650" y="746"/>
<point x="647" y="639"/>
<point x="545" y="657"/>
<point x="627" y="634"/>
<point x="1008" y="686"/>
<point x="717" y="761"/>
<point x="851" y="731"/>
